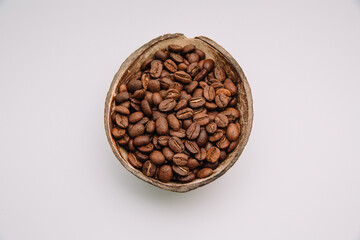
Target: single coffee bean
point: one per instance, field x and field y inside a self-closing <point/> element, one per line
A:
<point x="216" y="84"/>
<point x="181" y="104"/>
<point x="145" y="80"/>
<point x="172" y="94"/>
<point x="193" y="131"/>
<point x="211" y="127"/>
<point x="125" y="104"/>
<point x="141" y="156"/>
<point x="157" y="157"/>
<point x="154" y="86"/>
<point x="170" y="65"/>
<point x="165" y="83"/>
<point x="200" y="53"/>
<point x="182" y="77"/>
<point x="148" y="148"/>
<point x="176" y="85"/>
<point x="232" y="131"/>
<point x="209" y="93"/>
<point x="223" y="155"/>
<point x="232" y="146"/>
<point x="168" y="153"/>
<point x="156" y="98"/>
<point x="203" y="84"/>
<point x="233" y="102"/>
<point x="121" y="120"/>
<point x="161" y="55"/>
<point x="213" y="154"/>
<point x="134" y="85"/>
<point x="205" y="172"/>
<point x="150" y="126"/>
<point x="200" y="110"/>
<point x="122" y="88"/>
<point x="139" y="94"/>
<point x="156" y="115"/>
<point x="141" y="140"/>
<point x="121" y="109"/>
<point x="132" y="159"/>
<point x="229" y="85"/>
<point x="122" y="97"/>
<point x="123" y="140"/>
<point x="181" y="170"/>
<point x="213" y="166"/>
<point x="221" y="120"/>
<point x="180" y="159"/>
<point x="162" y="127"/>
<point x="201" y="75"/>
<point x="176" y="57"/>
<point x="187" y="123"/>
<point x="193" y="57"/>
<point x="223" y="91"/>
<point x="182" y="67"/>
<point x="149" y="169"/>
<point x="173" y="122"/>
<point x="198" y="93"/>
<point x="135" y="117"/>
<point x="176" y="145"/>
<point x="135" y="106"/>
<point x="202" y="119"/>
<point x="232" y="114"/>
<point x="187" y="178"/>
<point x="136" y="130"/>
<point x="210" y="106"/>
<point x="196" y="102"/>
<point x="181" y="133"/>
<point x="163" y="140"/>
<point x="148" y="97"/>
<point x="192" y="163"/>
<point x="185" y="113"/>
<point x="201" y="155"/>
<point x="156" y="68"/>
<point x="188" y="48"/>
<point x="145" y="107"/>
<point x="221" y="100"/>
<point x="118" y="132"/>
<point x="218" y="134"/>
<point x="146" y="64"/>
<point x="208" y="64"/>
<point x="192" y="147"/>
<point x="191" y="87"/>
<point x="223" y="143"/>
<point x="193" y="69"/>
<point x="165" y="173"/>
<point x="203" y="138"/>
<point x="219" y="73"/>
<point x="131" y="146"/>
<point x="167" y="105"/>
<point x="175" y="48"/>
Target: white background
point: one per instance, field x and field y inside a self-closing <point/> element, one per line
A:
<point x="297" y="179"/>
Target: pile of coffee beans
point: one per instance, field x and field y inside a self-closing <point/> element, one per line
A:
<point x="177" y="116"/>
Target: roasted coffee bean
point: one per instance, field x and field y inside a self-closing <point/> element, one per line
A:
<point x="156" y="68"/>
<point x="200" y="110"/>
<point x="122" y="97"/>
<point x="176" y="145"/>
<point x="184" y="95"/>
<point x="232" y="114"/>
<point x="165" y="173"/>
<point x="125" y="104"/>
<point x="205" y="172"/>
<point x="175" y="48"/>
<point x="200" y="53"/>
<point x="211" y="165"/>
<point x="156" y="115"/>
<point x="170" y="65"/>
<point x="185" y="113"/>
<point x="149" y="169"/>
<point x="166" y="82"/>
<point x="192" y="146"/>
<point x="193" y="131"/>
<point x="161" y="55"/>
<point x="210" y="106"/>
<point x="187" y="123"/>
<point x="233" y="102"/>
<point x="141" y="140"/>
<point x="229" y="85"/>
<point x="192" y="163"/>
<point x="173" y="122"/>
<point x="180" y="159"/>
<point x="157" y="157"/>
<point x="141" y="156"/>
<point x="181" y="170"/>
<point x="232" y="146"/>
<point x="134" y="85"/>
<point x="163" y="140"/>
<point x="132" y="159"/>
<point x="223" y="91"/>
<point x="148" y="148"/>
<point x="182" y="67"/>
<point x="156" y="98"/>
<point x="122" y="88"/>
<point x="182" y="77"/>
<point x="150" y="126"/>
<point x="201" y="75"/>
<point x="213" y="154"/>
<point x="145" y="107"/>
<point x="172" y="94"/>
<point x="221" y="120"/>
<point x="146" y="64"/>
<point x="177" y="86"/>
<point x="176" y="57"/>
<point x="208" y="65"/>
<point x="193" y="57"/>
<point x="181" y="133"/>
<point x="219" y="73"/>
<point x="191" y="87"/>
<point x="223" y="143"/>
<point x="198" y="92"/>
<point x="187" y="178"/>
<point x="212" y="115"/>
<point x="136" y="130"/>
<point x="188" y="48"/>
<point x="209" y="93"/>
<point x="181" y="104"/>
<point x="123" y="140"/>
<point x="131" y="145"/>
<point x="196" y="102"/>
<point x="202" y="119"/>
<point x="148" y="97"/>
<point x="232" y="131"/>
<point x="223" y="155"/>
<point x="135" y="117"/>
<point x="162" y="127"/>
<point x="154" y="86"/>
<point x="211" y="127"/>
<point x="218" y="134"/>
<point x="121" y="109"/>
<point x="201" y="155"/>
<point x="203" y="138"/>
<point x="139" y="94"/>
<point x="121" y="120"/>
<point x="221" y="100"/>
<point x="167" y="105"/>
<point x="145" y="80"/>
<point x="118" y="132"/>
<point x="193" y="69"/>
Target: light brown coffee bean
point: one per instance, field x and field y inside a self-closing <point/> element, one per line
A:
<point x="209" y="93"/>
<point x="146" y="64"/>
<point x="188" y="48"/>
<point x="208" y="64"/>
<point x="203" y="138"/>
<point x="136" y="130"/>
<point x="218" y="134"/>
<point x="121" y="120"/>
<point x="163" y="140"/>
<point x="189" y="88"/>
<point x="175" y="48"/>
<point x="170" y="65"/>
<point x="172" y="94"/>
<point x="201" y="75"/>
<point x="176" y="145"/>
<point x="165" y="83"/>
<point x="193" y="131"/>
<point x="154" y="85"/>
<point x="157" y="157"/>
<point x="213" y="154"/>
<point x="141" y="156"/>
<point x="182" y="67"/>
<point x="149" y="169"/>
<point x="181" y="170"/>
<point x="192" y="163"/>
<point x="232" y="146"/>
<point x="122" y="88"/>
<point x="196" y="102"/>
<point x="187" y="178"/>
<point x="173" y="122"/>
<point x="156" y="68"/>
<point x="182" y="77"/>
<point x="181" y="133"/>
<point x="167" y="105"/>
<point x="193" y="69"/>
<point x="123" y="140"/>
<point x="180" y="159"/>
<point x="121" y="109"/>
<point x="219" y="73"/>
<point x="168" y="153"/>
<point x="232" y="114"/>
<point x="162" y="127"/>
<point x="223" y="143"/>
<point x="176" y="57"/>
<point x="232" y="131"/>
<point x="201" y="155"/>
<point x="185" y="113"/>
<point x="156" y="98"/>
<point x="150" y="126"/>
<point x="221" y="100"/>
<point x="193" y="57"/>
<point x="148" y="148"/>
<point x="205" y="172"/>
<point x="145" y="107"/>
<point x="210" y="106"/>
<point x="135" y="117"/>
<point x="165" y="173"/>
<point x="211" y="127"/>
<point x="141" y="140"/>
<point x="133" y="85"/>
<point x="201" y="118"/>
<point x="192" y="147"/>
<point x="132" y="159"/>
<point x="122" y="97"/>
<point x="181" y="104"/>
<point x="161" y="55"/>
<point x="118" y="132"/>
<point x="221" y="120"/>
